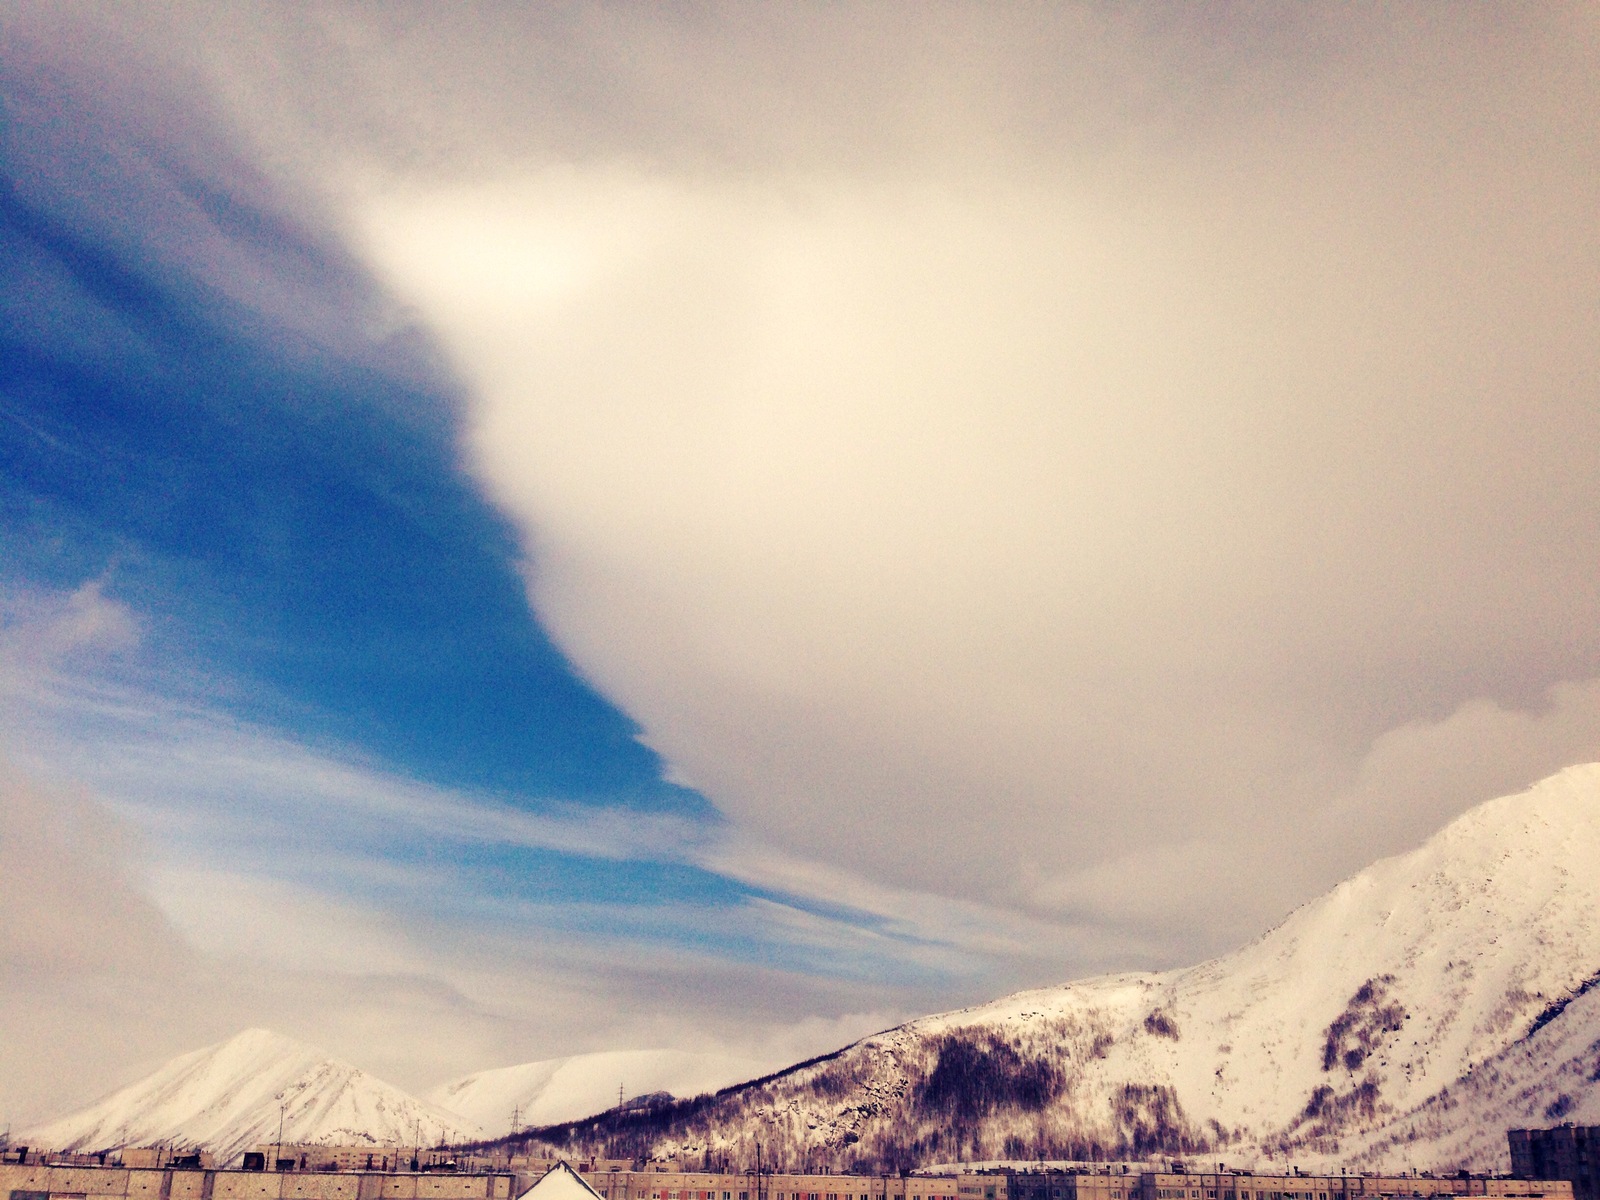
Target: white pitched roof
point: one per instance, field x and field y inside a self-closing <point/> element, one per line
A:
<point x="560" y="1182"/>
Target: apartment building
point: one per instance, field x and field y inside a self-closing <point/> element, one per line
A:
<point x="1089" y="1184"/>
<point x="1570" y="1152"/>
<point x="35" y="1181"/>
<point x="1242" y="1186"/>
<point x="692" y="1185"/>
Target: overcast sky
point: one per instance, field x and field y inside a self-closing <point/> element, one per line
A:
<point x="533" y="529"/>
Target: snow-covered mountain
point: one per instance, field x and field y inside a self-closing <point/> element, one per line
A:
<point x="562" y="1089"/>
<point x="1405" y="1018"/>
<point x="228" y="1097"/>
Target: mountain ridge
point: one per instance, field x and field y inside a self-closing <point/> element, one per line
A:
<point x="560" y="1089"/>
<point x="242" y="1092"/>
<point x="1356" y="1011"/>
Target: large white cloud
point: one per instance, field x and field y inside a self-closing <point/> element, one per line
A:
<point x="997" y="526"/>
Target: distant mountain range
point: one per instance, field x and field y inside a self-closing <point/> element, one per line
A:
<point x="1404" y="1019"/>
<point x="231" y="1096"/>
<point x="227" y="1097"/>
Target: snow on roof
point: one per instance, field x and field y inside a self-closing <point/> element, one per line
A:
<point x="560" y="1182"/>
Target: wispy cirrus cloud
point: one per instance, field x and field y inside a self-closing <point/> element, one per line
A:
<point x="80" y="702"/>
<point x="268" y="868"/>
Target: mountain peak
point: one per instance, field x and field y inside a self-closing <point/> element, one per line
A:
<point x="241" y="1091"/>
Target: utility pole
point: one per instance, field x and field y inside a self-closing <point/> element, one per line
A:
<point x="277" y="1153"/>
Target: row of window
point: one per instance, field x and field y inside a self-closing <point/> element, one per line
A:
<point x="690" y="1194"/>
<point x="1229" y="1194"/>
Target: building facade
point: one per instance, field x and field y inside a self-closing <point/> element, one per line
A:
<point x="1241" y="1186"/>
<point x="34" y="1182"/>
<point x="40" y="1181"/>
<point x="617" y="1184"/>
<point x="1570" y="1152"/>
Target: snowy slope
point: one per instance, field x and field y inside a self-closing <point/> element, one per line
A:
<point x="1553" y="1075"/>
<point x="227" y="1097"/>
<point x="561" y="1089"/>
<point x="1356" y="1012"/>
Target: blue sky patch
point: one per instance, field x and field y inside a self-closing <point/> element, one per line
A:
<point x="293" y="520"/>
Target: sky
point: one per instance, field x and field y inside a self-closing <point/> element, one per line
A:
<point x="528" y="530"/>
